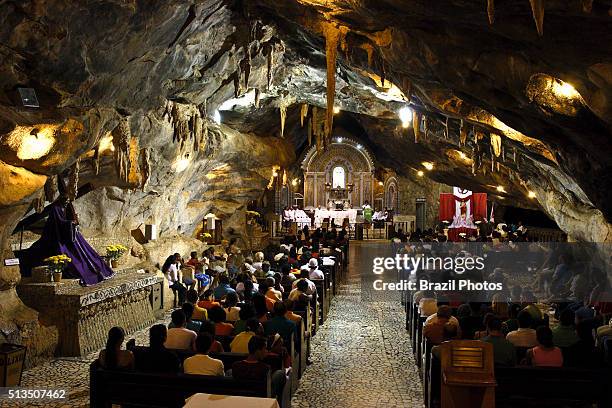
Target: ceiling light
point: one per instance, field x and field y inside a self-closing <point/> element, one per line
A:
<point x="294" y="182"/>
<point x="420" y="173"/>
<point x="405" y="115"/>
<point x="501" y="189"/>
<point x="359" y="146"/>
<point x="217" y="117"/>
<point x="32" y="142"/>
<point x="428" y="165"/>
<point x="339" y="140"/>
<point x="380" y="183"/>
<point x="336" y="110"/>
<point x="532" y="194"/>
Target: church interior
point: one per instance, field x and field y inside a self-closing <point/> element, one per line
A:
<point x="199" y="199"/>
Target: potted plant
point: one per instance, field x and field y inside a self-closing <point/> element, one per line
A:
<point x="114" y="252"/>
<point x="56" y="265"/>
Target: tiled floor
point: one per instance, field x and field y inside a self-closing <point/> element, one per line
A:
<point x="360" y="358"/>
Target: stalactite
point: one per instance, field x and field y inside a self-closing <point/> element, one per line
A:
<point x="246" y="68"/>
<point x="39" y="202"/>
<point x="73" y="181"/>
<point x="462" y="133"/>
<point x="309" y="131"/>
<point x="333" y="35"/>
<point x="51" y="188"/>
<point x="121" y="140"/>
<point x="446" y="129"/>
<point x="587" y="6"/>
<point x="270" y="56"/>
<point x="369" y="49"/>
<point x="514" y="155"/>
<point x="416" y="123"/>
<point x="491" y="11"/>
<point x="257" y="97"/>
<point x="145" y="167"/>
<point x="425" y="126"/>
<point x="197" y="130"/>
<point x="496" y="144"/>
<point x="303" y="113"/>
<point x="382" y="72"/>
<point x="537" y="9"/>
<point x="283" y="117"/>
<point x="96" y="160"/>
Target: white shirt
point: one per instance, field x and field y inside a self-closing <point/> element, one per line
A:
<point x="181" y="338"/>
<point x="523" y="337"/>
<point x="173" y="274"/>
<point x="311" y="286"/>
<point x="434" y="319"/>
<point x="202" y="364"/>
<point x="232" y="314"/>
<point x="316" y="274"/>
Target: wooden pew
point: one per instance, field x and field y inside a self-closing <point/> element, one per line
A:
<point x="163" y="390"/>
<point x="306" y="333"/>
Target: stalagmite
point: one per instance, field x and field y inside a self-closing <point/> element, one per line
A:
<point x="462" y="133"/>
<point x="145" y="167"/>
<point x="496" y="144"/>
<point x="333" y="35"/>
<point x="416" y="123"/>
<point x="491" y="11"/>
<point x="309" y="131"/>
<point x="73" y="181"/>
<point x="246" y="68"/>
<point x="537" y="9"/>
<point x="303" y="113"/>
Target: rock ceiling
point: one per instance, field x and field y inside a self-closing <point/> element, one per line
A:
<point x="133" y="87"/>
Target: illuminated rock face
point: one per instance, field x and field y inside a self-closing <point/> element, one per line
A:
<point x="105" y="71"/>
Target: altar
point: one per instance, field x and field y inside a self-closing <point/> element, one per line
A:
<point x="461" y="210"/>
<point x="337" y="216"/>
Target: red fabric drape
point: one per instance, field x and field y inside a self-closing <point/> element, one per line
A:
<point x="479" y="206"/>
<point x="447" y="207"/>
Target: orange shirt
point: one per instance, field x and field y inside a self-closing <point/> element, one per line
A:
<point x="208" y="304"/>
<point x="223" y="329"/>
<point x="270" y="304"/>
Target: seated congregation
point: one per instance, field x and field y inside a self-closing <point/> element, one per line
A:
<point x="538" y="345"/>
<point x="241" y="326"/>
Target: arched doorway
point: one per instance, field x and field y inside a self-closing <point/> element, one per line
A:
<point x="392" y="194"/>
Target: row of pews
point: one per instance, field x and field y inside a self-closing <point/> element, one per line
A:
<point x="139" y="389"/>
<point x="511" y="386"/>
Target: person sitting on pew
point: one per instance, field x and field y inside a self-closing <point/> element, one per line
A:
<point x="426" y="299"/>
<point x="295" y="318"/>
<point x="263" y="290"/>
<point x="313" y="270"/>
<point x="512" y="323"/>
<point x="224" y="287"/>
<point x="280" y="324"/>
<point x="300" y="295"/>
<point x="112" y="357"/>
<point x="604" y="331"/>
<point x="304" y="275"/>
<point x="202" y="363"/>
<point x="277" y="285"/>
<point x="194" y="326"/>
<point x="247" y="311"/>
<point x="157" y="358"/>
<point x="218" y="317"/>
<point x="287" y="277"/>
<point x="180" y="337"/>
<point x="199" y="313"/>
<point x="240" y="344"/>
<point x="266" y="271"/>
<point x="208" y="327"/>
<point x="231" y="310"/>
<point x="524" y="336"/>
<point x="504" y="353"/>
<point x="583" y="353"/>
<point x="564" y="335"/>
<point x="479" y="334"/>
<point x="545" y="354"/>
<point x="272" y="293"/>
<point x="253" y="368"/>
<point x="261" y="307"/>
<point x="434" y="330"/>
<point x="206" y="300"/>
<point x="446" y="316"/>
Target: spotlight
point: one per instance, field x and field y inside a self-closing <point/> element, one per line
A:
<point x="428" y="165"/>
<point x="339" y="140"/>
<point x="380" y="183"/>
<point x="501" y="189"/>
<point x="420" y="173"/>
<point x="336" y="110"/>
<point x="359" y="146"/>
<point x="532" y="194"/>
<point x="405" y="115"/>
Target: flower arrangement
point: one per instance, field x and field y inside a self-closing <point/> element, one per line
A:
<point x="115" y="252"/>
<point x="57" y="263"/>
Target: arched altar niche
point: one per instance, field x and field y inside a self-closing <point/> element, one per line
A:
<point x="351" y="163"/>
<point x="392" y="194"/>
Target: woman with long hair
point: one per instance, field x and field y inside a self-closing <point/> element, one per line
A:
<point x="112" y="357"/>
